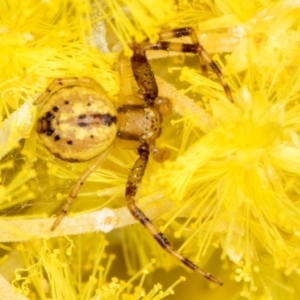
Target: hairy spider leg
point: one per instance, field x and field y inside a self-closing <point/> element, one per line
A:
<point x="146" y="81"/>
<point x="195" y="48"/>
<point x="134" y="180"/>
<point x="143" y="74"/>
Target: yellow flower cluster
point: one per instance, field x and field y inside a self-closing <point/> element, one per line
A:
<point x="232" y="182"/>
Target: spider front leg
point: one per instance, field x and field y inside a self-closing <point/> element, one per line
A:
<point x="149" y="91"/>
<point x="133" y="183"/>
<point x="195" y="48"/>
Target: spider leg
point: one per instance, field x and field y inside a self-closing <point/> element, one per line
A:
<point x="186" y="31"/>
<point x="145" y="79"/>
<point x="76" y="187"/>
<point x="134" y="180"/>
<point x="144" y="75"/>
<point x="125" y="73"/>
<point x="195" y="48"/>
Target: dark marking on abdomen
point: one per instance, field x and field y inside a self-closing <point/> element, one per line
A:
<point x="96" y="119"/>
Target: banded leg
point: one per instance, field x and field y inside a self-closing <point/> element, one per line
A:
<point x="134" y="180"/>
<point x="144" y="75"/>
<point x="195" y="48"/>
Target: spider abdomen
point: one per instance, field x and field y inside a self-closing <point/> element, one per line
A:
<point x="77" y="123"/>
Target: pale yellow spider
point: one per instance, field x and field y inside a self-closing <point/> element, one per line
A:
<point x="78" y="122"/>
